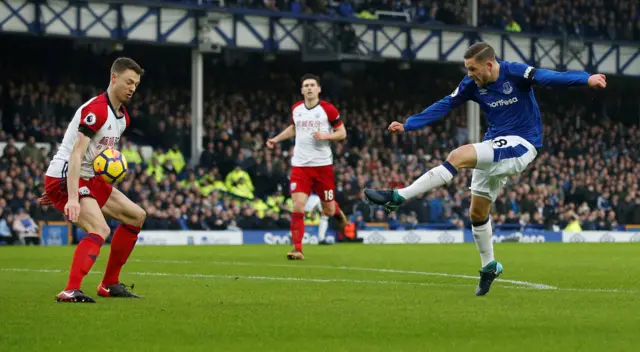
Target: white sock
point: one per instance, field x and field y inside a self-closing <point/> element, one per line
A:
<point x="482" y="235"/>
<point x="436" y="177"/>
<point x="322" y="227"/>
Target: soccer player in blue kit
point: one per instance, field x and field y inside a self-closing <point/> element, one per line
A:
<point x="504" y="91"/>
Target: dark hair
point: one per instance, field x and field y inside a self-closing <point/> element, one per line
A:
<point x="481" y="51"/>
<point x="310" y="76"/>
<point x="124" y="63"/>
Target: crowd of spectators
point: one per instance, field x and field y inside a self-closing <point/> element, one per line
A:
<point x="21" y="177"/>
<point x="588" y="169"/>
<point x="454" y="12"/>
<point x="596" y="19"/>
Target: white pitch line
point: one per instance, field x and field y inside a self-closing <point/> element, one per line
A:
<point x="395" y="271"/>
<point x="320" y="280"/>
<point x="254" y="277"/>
<point x="606" y="290"/>
<point x="32" y="270"/>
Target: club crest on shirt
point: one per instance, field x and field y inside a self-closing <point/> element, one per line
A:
<point x="507" y="88"/>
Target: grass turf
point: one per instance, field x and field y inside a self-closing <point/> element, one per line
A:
<point x="241" y="298"/>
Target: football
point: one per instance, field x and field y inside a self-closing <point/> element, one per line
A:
<point x="110" y="165"/>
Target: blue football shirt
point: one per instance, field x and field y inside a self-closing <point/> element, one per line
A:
<point x="509" y="103"/>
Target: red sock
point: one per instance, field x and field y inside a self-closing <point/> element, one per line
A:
<point x="297" y="230"/>
<point x="122" y="243"/>
<point x="337" y="213"/>
<point x="85" y="255"/>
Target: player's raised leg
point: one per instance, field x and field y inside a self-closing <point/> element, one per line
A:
<point x="482" y="234"/>
<point x="463" y="157"/>
<point x="93" y="223"/>
<point x="131" y="217"/>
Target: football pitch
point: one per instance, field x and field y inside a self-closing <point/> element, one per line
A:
<point x="346" y="297"/>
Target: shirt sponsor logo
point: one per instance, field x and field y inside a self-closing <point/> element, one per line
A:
<point x="503" y="102"/>
<point x="109" y="142"/>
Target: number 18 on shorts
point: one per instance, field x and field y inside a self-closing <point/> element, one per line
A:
<point x="318" y="179"/>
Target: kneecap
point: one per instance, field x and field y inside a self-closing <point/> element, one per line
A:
<point x="141" y="215"/>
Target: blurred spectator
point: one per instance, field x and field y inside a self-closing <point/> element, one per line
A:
<point x="6" y="235"/>
<point x="512" y="26"/>
<point x="25" y="228"/>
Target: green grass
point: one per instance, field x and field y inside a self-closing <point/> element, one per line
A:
<point x="205" y="302"/>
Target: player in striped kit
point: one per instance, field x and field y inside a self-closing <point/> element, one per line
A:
<point x="72" y="187"/>
<point x="314" y="124"/>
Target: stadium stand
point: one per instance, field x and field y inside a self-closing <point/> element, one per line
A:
<point x="454" y="12"/>
<point x="586" y="173"/>
<point x="608" y="20"/>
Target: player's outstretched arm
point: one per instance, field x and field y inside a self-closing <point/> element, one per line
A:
<point x="434" y="112"/>
<point x="552" y="78"/>
<point x="288" y="132"/>
<point x="339" y="134"/>
<point x="72" y="209"/>
<point x="431" y="114"/>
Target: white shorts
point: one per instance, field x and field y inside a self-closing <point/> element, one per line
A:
<point x="498" y="159"/>
<point x="313" y="203"/>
